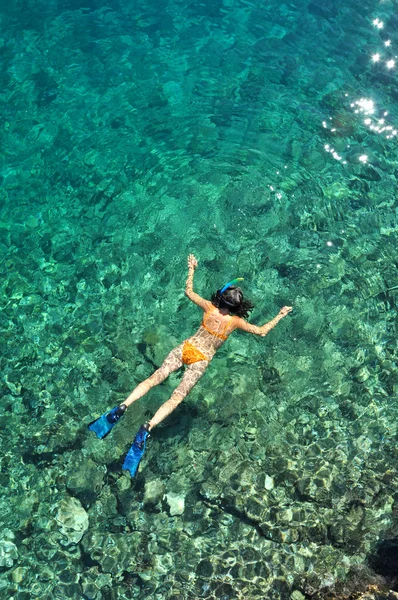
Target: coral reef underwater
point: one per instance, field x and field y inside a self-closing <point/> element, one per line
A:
<point x="261" y="137"/>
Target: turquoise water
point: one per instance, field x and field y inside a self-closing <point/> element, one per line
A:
<point x="261" y="137"/>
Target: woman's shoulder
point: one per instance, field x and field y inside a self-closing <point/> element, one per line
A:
<point x="209" y="307"/>
<point x="238" y="322"/>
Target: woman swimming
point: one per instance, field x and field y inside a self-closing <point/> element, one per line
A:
<point x="225" y="312"/>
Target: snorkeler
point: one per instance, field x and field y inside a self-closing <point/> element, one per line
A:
<point x="222" y="315"/>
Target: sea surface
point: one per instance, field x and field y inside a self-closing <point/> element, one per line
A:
<point x="261" y="137"/>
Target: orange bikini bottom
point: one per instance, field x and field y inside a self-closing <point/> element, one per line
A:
<point x="191" y="355"/>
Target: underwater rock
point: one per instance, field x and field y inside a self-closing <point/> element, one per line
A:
<point x="18" y="574"/>
<point x="176" y="503"/>
<point x="8" y="553"/>
<point x="385" y="559"/>
<point x="93" y="581"/>
<point x="154" y="491"/>
<point x="72" y="519"/>
<point x="268" y="483"/>
<point x="86" y="480"/>
<point x="114" y="552"/>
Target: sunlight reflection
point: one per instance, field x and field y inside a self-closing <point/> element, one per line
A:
<point x="372" y="118"/>
<point x="367" y="107"/>
<point x="379" y="24"/>
<point x="364" y="105"/>
<point x="335" y="154"/>
<point x="377" y="56"/>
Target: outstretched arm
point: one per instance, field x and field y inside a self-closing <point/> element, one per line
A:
<point x="192" y="264"/>
<point x="264" y="329"/>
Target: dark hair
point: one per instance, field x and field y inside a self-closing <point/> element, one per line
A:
<point x="232" y="299"/>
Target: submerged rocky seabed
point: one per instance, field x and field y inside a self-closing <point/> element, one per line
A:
<point x="135" y="134"/>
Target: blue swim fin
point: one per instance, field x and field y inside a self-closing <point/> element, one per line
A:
<point x="136" y="452"/>
<point x="104" y="424"/>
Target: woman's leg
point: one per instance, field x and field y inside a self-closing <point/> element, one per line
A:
<point x="171" y="363"/>
<point x="191" y="376"/>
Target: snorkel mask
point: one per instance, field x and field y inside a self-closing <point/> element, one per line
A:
<point x="226" y="286"/>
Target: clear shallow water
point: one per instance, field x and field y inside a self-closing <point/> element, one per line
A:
<point x="253" y="136"/>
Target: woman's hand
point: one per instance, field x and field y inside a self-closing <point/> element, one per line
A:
<point x="192" y="262"/>
<point x="285" y="311"/>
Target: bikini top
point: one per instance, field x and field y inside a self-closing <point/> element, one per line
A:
<point x="221" y="335"/>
